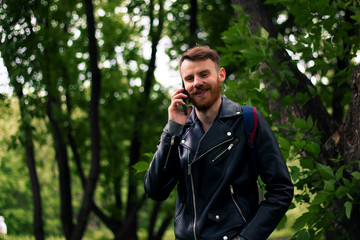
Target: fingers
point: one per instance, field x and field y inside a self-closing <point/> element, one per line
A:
<point x="177" y="98"/>
<point x="175" y="112"/>
<point x="176" y="104"/>
<point x="179" y="94"/>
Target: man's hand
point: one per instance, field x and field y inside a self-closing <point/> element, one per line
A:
<point x="175" y="112"/>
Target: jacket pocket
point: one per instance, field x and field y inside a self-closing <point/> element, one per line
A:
<point x="216" y="216"/>
<point x="223" y="152"/>
<point x="221" y="223"/>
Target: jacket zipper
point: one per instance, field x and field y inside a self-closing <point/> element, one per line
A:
<point x="228" y="140"/>
<point x="192" y="180"/>
<point x="237" y="206"/>
<point x="193" y="195"/>
<point x="172" y="141"/>
<point x="223" y="152"/>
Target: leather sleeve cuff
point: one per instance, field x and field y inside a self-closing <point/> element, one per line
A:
<point x="174" y="128"/>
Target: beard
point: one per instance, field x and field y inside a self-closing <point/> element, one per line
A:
<point x="214" y="92"/>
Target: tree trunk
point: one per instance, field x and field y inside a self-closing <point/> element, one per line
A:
<point x="30" y="161"/>
<point x="350" y="147"/>
<point x="129" y="228"/>
<point x="152" y="234"/>
<point x="63" y="164"/>
<point x="38" y="223"/>
<point x="346" y="141"/>
<point x="87" y="202"/>
<point x="54" y="113"/>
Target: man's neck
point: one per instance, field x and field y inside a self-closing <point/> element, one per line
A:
<point x="207" y="117"/>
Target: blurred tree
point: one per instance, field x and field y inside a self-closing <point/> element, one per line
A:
<point x="46" y="51"/>
<point x="197" y="23"/>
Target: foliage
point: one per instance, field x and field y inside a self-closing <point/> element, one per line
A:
<point x="213" y="17"/>
<point x="321" y="40"/>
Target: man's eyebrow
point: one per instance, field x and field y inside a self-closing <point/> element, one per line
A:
<point x="203" y="71"/>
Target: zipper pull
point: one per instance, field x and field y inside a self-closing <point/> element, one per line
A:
<point x="230" y="146"/>
<point x="172" y="140"/>
<point x="189" y="169"/>
<point x="231" y="190"/>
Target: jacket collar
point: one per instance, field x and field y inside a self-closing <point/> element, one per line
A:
<point x="199" y="142"/>
<point x="229" y="108"/>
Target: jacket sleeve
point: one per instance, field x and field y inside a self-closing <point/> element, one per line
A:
<point x="162" y="175"/>
<point x="279" y="188"/>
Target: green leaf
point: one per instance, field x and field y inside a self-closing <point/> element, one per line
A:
<point x="149" y="155"/>
<point x="348" y="208"/>
<point x="356" y="17"/>
<point x="301" y="97"/>
<point x="275" y="94"/>
<point x="287" y="100"/>
<point x="356" y="175"/>
<point x="283" y="143"/>
<point x="339" y="173"/>
<point x="307" y="163"/>
<point x="141" y="166"/>
<point x="282" y="223"/>
<point x="312" y="91"/>
<point x="300" y="123"/>
<point x="310" y="122"/>
<point x="346" y="182"/>
<point x="313" y="148"/>
<point x="330" y="185"/>
<point x="320" y="197"/>
<point x="302" y="220"/>
<point x="295" y="173"/>
<point x="325" y="171"/>
<point x="341" y="192"/>
<point x="349" y="196"/>
<point x="301" y="235"/>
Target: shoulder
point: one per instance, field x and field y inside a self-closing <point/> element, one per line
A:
<point x="229" y="108"/>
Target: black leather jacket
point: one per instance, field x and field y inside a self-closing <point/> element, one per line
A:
<point x="217" y="187"/>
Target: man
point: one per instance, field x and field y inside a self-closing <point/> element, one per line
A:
<point x="204" y="152"/>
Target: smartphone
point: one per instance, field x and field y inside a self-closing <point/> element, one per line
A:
<point x="184" y="107"/>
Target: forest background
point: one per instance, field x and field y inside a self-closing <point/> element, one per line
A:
<point x="85" y="111"/>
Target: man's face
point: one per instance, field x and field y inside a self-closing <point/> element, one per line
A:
<point x="203" y="81"/>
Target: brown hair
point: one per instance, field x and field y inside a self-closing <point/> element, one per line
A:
<point x="200" y="53"/>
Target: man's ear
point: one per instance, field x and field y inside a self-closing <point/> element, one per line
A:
<point x="222" y="74"/>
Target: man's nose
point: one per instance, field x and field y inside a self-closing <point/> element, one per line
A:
<point x="198" y="82"/>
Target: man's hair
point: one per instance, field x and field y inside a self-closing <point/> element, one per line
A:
<point x="200" y="53"/>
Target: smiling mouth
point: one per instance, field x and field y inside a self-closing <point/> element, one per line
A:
<point x="201" y="92"/>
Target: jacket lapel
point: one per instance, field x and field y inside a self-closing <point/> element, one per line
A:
<point x="199" y="143"/>
<point x="217" y="134"/>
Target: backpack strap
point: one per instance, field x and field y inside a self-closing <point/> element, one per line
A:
<point x="250" y="122"/>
